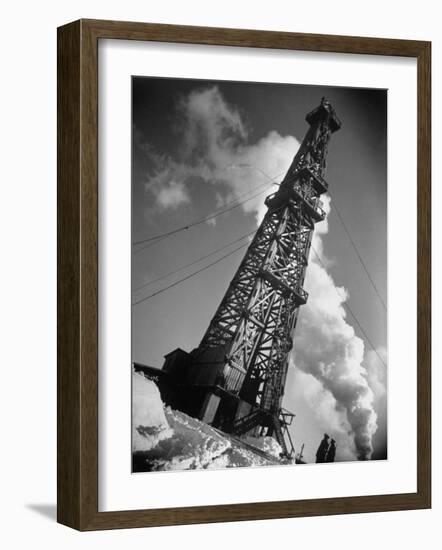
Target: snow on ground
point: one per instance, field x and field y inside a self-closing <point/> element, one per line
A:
<point x="192" y="445"/>
<point x="266" y="444"/>
<point x="166" y="439"/>
<point x="149" y="423"/>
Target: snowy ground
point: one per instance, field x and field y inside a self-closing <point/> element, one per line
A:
<point x="165" y="439"/>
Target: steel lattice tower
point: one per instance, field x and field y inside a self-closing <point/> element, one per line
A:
<point x="247" y="344"/>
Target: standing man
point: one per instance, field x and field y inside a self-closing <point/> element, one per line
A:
<point x="322" y="449"/>
<point x="330" y="457"/>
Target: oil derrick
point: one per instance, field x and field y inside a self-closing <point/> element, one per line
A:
<point x="235" y="378"/>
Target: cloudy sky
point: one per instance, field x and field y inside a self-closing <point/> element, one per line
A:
<point x="200" y="147"/>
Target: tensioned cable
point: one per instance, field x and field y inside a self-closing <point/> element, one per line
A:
<point x="188" y="276"/>
<point x="358" y="254"/>
<point x="147" y="283"/>
<point x="348" y="308"/>
<point x="158" y="238"/>
<point x="233" y="204"/>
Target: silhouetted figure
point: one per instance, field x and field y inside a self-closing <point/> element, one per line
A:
<point x="322" y="449"/>
<point x="330" y="456"/>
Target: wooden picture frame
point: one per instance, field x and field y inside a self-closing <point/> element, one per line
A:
<point x="77" y="458"/>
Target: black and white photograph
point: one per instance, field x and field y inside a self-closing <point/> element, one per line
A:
<point x="259" y="274"/>
<point x="220" y="279"/>
<point x="221" y="264"/>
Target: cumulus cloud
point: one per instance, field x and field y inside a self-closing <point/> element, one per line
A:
<point x="327" y="348"/>
<point x="216" y="151"/>
<point x="172" y="195"/>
